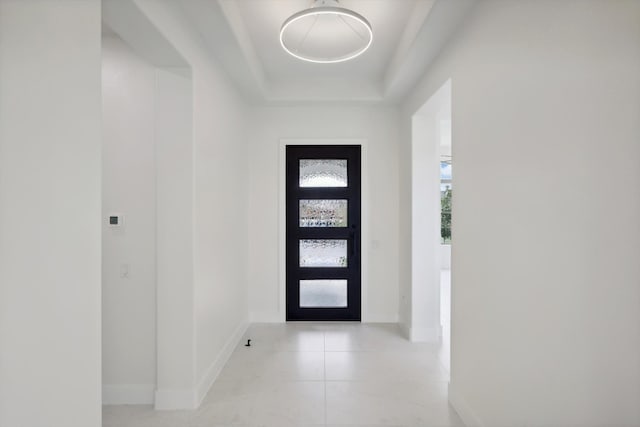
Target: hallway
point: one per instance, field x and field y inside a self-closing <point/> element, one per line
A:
<point x="316" y="374"/>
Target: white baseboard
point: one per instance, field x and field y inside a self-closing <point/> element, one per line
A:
<point x="175" y="399"/>
<point x="425" y="334"/>
<point x="420" y="335"/>
<point x="128" y="394"/>
<point x="216" y="367"/>
<point x="468" y="416"/>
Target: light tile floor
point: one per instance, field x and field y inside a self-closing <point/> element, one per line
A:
<point x="316" y="374"/>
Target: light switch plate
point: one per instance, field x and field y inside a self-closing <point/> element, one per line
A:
<point x="115" y="220"/>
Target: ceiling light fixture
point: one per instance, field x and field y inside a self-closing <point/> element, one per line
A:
<point x="326" y="33"/>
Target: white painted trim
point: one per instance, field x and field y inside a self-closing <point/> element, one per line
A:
<point x="128" y="394"/>
<point x="175" y="399"/>
<point x="364" y="200"/>
<point x="216" y="367"/>
<point x="468" y="416"/>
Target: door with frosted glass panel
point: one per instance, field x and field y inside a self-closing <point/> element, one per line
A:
<point x="323" y="232"/>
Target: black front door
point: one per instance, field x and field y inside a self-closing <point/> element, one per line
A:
<point x="323" y="232"/>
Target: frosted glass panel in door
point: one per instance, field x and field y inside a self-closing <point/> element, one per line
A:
<point x="323" y="293"/>
<point x="323" y="253"/>
<point x="323" y="173"/>
<point x="323" y="213"/>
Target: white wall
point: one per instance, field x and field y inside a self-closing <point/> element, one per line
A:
<point x="50" y="213"/>
<point x="221" y="204"/>
<point x="175" y="290"/>
<point x="546" y="315"/>
<point x="212" y="282"/>
<point x="376" y="125"/>
<point x="129" y="251"/>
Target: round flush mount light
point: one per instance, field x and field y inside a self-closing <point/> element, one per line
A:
<point x="326" y="33"/>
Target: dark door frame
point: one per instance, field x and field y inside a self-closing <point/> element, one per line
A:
<point x="356" y="250"/>
<point x="281" y="315"/>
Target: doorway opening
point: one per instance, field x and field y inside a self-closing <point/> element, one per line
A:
<point x="147" y="117"/>
<point x="446" y="215"/>
<point x="432" y="191"/>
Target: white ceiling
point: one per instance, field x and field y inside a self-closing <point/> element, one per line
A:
<point x="243" y="35"/>
<point x="263" y="19"/>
